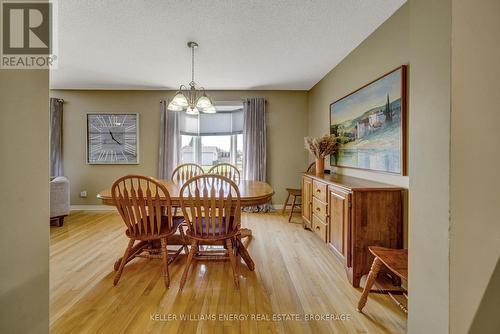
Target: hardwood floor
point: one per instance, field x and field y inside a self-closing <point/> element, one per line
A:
<point x="294" y="275"/>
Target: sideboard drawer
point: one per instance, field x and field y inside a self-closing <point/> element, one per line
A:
<point x="320" y="190"/>
<point x="320" y="228"/>
<point x="319" y="208"/>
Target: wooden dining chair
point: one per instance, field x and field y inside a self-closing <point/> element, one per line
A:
<point x="227" y="170"/>
<point x="295" y="193"/>
<point x="184" y="172"/>
<point x="395" y="260"/>
<point x="147" y="218"/>
<point x="212" y="210"/>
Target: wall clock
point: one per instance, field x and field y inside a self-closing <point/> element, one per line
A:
<point x="112" y="138"/>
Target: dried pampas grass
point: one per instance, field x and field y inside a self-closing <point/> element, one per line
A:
<point x="322" y="146"/>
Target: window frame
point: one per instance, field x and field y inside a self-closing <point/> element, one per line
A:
<point x="198" y="149"/>
<point x="222" y="107"/>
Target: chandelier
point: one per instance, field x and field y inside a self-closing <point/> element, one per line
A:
<point x="192" y="100"/>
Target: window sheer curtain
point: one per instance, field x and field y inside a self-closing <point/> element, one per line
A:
<point x="254" y="145"/>
<point x="56" y="118"/>
<point x="170" y="141"/>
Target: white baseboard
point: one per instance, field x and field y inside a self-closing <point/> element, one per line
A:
<point x="92" y="208"/>
<point x="278" y="206"/>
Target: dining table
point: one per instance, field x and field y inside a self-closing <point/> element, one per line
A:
<point x="252" y="193"/>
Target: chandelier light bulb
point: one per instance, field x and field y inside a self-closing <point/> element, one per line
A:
<point x="192" y="111"/>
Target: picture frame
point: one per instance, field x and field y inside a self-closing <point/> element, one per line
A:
<point x="370" y="124"/>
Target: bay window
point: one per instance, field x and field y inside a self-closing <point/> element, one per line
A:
<point x="210" y="139"/>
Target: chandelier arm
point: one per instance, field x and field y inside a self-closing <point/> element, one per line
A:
<point x="193" y="94"/>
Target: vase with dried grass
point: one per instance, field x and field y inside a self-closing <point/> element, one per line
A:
<point x="320" y="148"/>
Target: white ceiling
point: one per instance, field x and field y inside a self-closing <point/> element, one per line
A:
<point x="244" y="44"/>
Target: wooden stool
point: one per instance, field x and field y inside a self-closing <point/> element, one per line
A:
<point x="396" y="260"/>
<point x="295" y="193"/>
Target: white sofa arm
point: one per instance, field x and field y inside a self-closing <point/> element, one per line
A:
<point x="59" y="197"/>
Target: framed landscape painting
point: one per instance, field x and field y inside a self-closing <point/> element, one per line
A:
<point x="370" y="124"/>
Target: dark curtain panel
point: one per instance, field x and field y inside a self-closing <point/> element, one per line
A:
<point x="56" y="118"/>
<point x="254" y="148"/>
<point x="170" y="141"/>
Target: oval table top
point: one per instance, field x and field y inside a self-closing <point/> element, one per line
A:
<point x="251" y="193"/>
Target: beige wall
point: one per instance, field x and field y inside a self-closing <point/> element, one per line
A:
<point x="475" y="183"/>
<point x="429" y="136"/>
<point x="418" y="34"/>
<point x="286" y="121"/>
<point x="24" y="201"/>
<point x="384" y="50"/>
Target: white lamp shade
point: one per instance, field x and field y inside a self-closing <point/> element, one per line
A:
<point x="180" y="100"/>
<point x="174" y="107"/>
<point x="209" y="110"/>
<point x="192" y="111"/>
<point x="203" y="102"/>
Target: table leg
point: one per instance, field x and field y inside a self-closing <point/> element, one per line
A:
<point x="372" y="276"/>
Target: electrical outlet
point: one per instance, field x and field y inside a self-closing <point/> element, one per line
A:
<point x="83" y="193"/>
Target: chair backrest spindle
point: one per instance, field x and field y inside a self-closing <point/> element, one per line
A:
<point x="184" y="172"/>
<point x="226" y="170"/>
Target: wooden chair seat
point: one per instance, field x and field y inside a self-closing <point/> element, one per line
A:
<point x="396" y="260"/>
<point x="165" y="229"/>
<point x="210" y="230"/>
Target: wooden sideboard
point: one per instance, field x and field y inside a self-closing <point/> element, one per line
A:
<point x="349" y="214"/>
